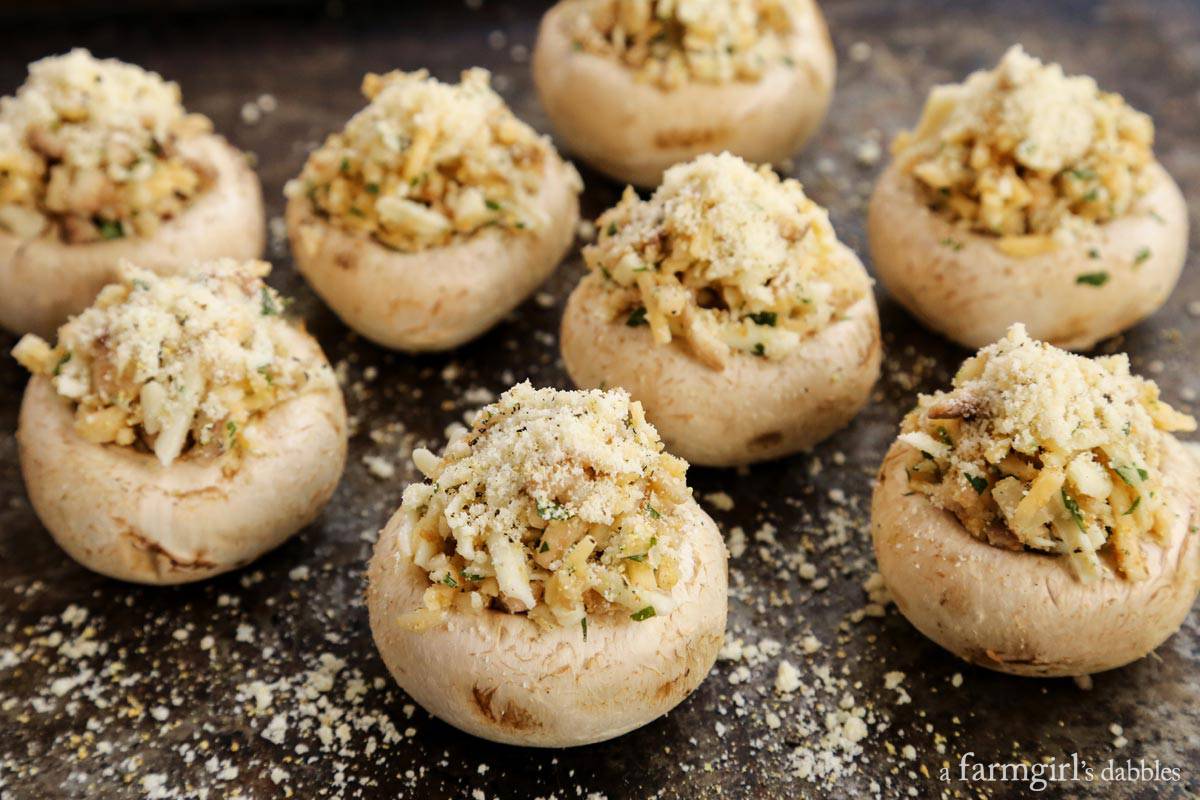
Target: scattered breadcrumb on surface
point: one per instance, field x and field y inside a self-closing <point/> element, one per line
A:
<point x="721" y="501"/>
<point x="379" y="467"/>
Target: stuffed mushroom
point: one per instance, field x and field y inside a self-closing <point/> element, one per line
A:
<point x="100" y="162"/>
<point x="634" y="86"/>
<point x="1025" y="195"/>
<point x="727" y="306"/>
<point x="180" y="426"/>
<point x="552" y="582"/>
<point x="432" y="214"/>
<point x="1039" y="518"/>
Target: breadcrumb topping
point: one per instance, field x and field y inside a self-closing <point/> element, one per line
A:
<point x="1038" y="448"/>
<point x="1022" y="150"/>
<point x="89" y="151"/>
<point x="672" y="42"/>
<point x="724" y="256"/>
<point x="427" y="162"/>
<point x="558" y="504"/>
<point x="178" y="364"/>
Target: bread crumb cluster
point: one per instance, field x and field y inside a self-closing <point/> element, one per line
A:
<point x="1038" y="448"/>
<point x="428" y="162"/>
<point x="727" y="257"/>
<point x="1023" y="151"/>
<point x="89" y="151"/>
<point x="672" y="42"/>
<point x="558" y="504"/>
<point x="177" y="364"/>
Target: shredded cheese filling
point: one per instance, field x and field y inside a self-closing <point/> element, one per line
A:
<point x="1038" y="448"/>
<point x="177" y="364"/>
<point x="555" y="504"/>
<point x="1024" y="151"/>
<point x="89" y="151"/>
<point x="428" y="162"/>
<point x="671" y="42"/>
<point x="726" y="257"/>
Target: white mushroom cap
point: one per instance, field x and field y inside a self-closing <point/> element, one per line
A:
<point x="438" y="298"/>
<point x="957" y="283"/>
<point x="501" y="677"/>
<point x="43" y="281"/>
<point x="632" y="130"/>
<point x="755" y="408"/>
<point x="1023" y="612"/>
<point x="121" y="513"/>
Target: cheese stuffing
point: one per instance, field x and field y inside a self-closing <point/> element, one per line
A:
<point x="1038" y="448"/>
<point x="727" y="257"/>
<point x="555" y="504"/>
<point x="1024" y="151"/>
<point x="177" y="365"/>
<point x="428" y="162"/>
<point x="89" y="151"/>
<point x="671" y="42"/>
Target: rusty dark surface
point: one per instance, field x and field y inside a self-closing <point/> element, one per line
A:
<point x="140" y="698"/>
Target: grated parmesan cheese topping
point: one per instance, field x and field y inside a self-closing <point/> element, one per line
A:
<point x="724" y="256"/>
<point x="89" y="151"/>
<point x="1038" y="448"/>
<point x="1023" y="150"/>
<point x="557" y="504"/>
<point x="428" y="162"/>
<point x="178" y="364"/>
<point x="672" y="42"/>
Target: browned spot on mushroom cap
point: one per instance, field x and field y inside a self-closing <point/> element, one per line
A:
<point x="156" y="549"/>
<point x="510" y="716"/>
<point x="870" y="350"/>
<point x="673" y="687"/>
<point x="344" y="260"/>
<point x="696" y="137"/>
<point x="766" y="439"/>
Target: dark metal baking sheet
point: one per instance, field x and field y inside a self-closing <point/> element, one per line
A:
<point x="110" y="690"/>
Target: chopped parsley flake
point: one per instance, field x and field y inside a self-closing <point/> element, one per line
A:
<point x="1073" y="509"/>
<point x="979" y="484"/>
<point x="764" y="318"/>
<point x="1129" y="474"/>
<point x="269" y="308"/>
<point x="1142" y="255"/>
<point x="62" y="362"/>
<point x="449" y="581"/>
<point x="1137" y="501"/>
<point x="637" y="317"/>
<point x="583" y="624"/>
<point x="1092" y="278"/>
<point x="552" y="510"/>
<point x="643" y="615"/>
<point x="110" y="229"/>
